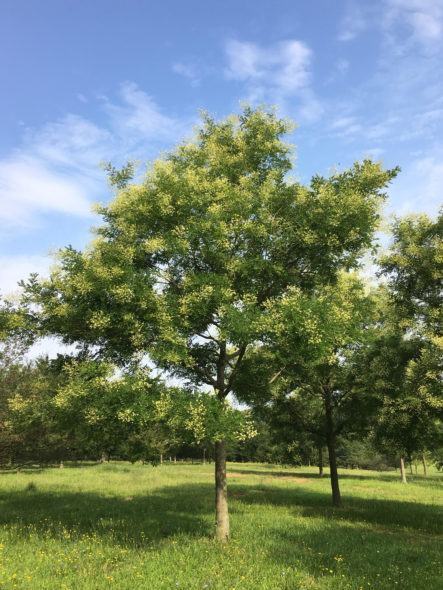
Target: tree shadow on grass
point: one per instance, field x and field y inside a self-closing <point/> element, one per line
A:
<point x="352" y="556"/>
<point x="128" y="520"/>
<point x="416" y="516"/>
<point x="389" y="477"/>
<point x="189" y="509"/>
<point x="35" y="469"/>
<point x="355" y="533"/>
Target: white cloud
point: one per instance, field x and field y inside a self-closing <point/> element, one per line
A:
<point x="244" y="60"/>
<point x="430" y="171"/>
<point x="343" y="122"/>
<point x="342" y="66"/>
<point x="17" y="268"/>
<point x="71" y="142"/>
<point x="275" y="73"/>
<point x="311" y="108"/>
<point x="188" y="71"/>
<point x="423" y="20"/>
<point x="354" y="22"/>
<point x="27" y="186"/>
<point x="423" y="17"/>
<point x="56" y="168"/>
<point x="374" y="153"/>
<point x="382" y="129"/>
<point x="418" y="187"/>
<point x="139" y="117"/>
<point x="284" y="65"/>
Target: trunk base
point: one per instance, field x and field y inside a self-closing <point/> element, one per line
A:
<point x="221" y="493"/>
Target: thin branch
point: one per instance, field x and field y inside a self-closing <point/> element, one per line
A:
<point x="310" y="428"/>
<point x="205" y="377"/>
<point x="168" y="280"/>
<point x="235" y="369"/>
<point x="277" y="375"/>
<point x="206" y="336"/>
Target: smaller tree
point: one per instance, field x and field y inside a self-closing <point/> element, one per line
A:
<point x="306" y="367"/>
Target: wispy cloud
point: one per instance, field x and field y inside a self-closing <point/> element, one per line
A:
<point x="15" y="268"/>
<point x="29" y="185"/>
<point x="278" y="73"/>
<point x="284" y="65"/>
<point x="343" y="123"/>
<point x="403" y="21"/>
<point x="138" y="117"/>
<point x="354" y="22"/>
<point x="188" y="70"/>
<point x="418" y="187"/>
<point x="423" y="17"/>
<point x="56" y="167"/>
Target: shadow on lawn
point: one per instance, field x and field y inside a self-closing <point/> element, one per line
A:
<point x="416" y="516"/>
<point x="127" y="520"/>
<point x="390" y="477"/>
<point x="189" y="510"/>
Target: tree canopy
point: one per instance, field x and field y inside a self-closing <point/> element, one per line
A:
<point x="186" y="260"/>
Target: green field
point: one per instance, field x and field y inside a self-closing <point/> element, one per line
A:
<point x="136" y="526"/>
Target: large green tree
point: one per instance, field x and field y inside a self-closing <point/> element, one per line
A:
<point x="185" y="260"/>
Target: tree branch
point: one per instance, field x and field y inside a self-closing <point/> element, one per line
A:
<point x="235" y="369"/>
<point x="277" y="375"/>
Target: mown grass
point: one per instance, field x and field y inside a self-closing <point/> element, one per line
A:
<point x="129" y="527"/>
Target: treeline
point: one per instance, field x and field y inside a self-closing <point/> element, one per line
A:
<point x="71" y="409"/>
<point x="239" y="281"/>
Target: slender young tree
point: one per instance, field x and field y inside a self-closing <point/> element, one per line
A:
<point x="185" y="261"/>
<point x="311" y="341"/>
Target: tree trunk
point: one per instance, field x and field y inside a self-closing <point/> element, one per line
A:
<point x="204" y="456"/>
<point x="221" y="493"/>
<point x="330" y="436"/>
<point x="410" y="467"/>
<point x="320" y="461"/>
<point x="161" y="458"/>
<point x="402" y="469"/>
<point x="336" y="497"/>
<point x="425" y="470"/>
<point x="61" y="464"/>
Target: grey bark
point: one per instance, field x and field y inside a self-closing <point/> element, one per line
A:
<point x="221" y="493"/>
<point x="403" y="471"/>
<point x="320" y="461"/>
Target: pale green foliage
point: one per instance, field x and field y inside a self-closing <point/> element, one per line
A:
<point x="408" y="355"/>
<point x="317" y="328"/>
<point x="414" y="268"/>
<point x="201" y="417"/>
<point x="186" y="260"/>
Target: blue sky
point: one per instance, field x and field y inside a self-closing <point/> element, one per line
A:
<point x="87" y="81"/>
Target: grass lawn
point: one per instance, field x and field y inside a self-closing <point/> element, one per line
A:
<point x="136" y="526"/>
